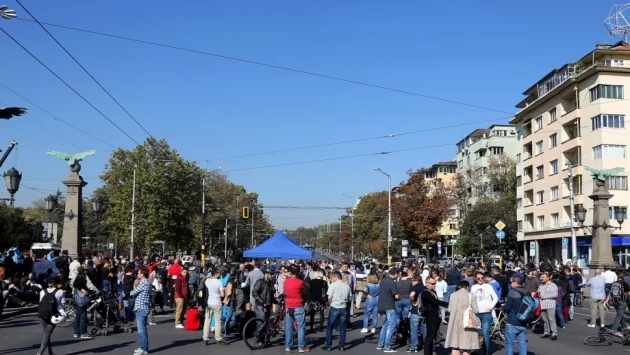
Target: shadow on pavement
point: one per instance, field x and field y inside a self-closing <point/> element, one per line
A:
<point x="174" y="344"/>
<point x="36" y="346"/>
<point x="18" y="323"/>
<point x="102" y="349"/>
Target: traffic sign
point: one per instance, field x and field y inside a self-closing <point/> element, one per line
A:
<point x="565" y="242"/>
<point x="500" y="225"/>
<point x="500" y="234"/>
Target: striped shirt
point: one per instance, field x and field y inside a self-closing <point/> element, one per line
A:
<point x="142" y="292"/>
<point x="548" y="294"/>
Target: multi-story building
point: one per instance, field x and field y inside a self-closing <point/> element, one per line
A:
<point x="573" y="116"/>
<point x="445" y="173"/>
<point x="476" y="151"/>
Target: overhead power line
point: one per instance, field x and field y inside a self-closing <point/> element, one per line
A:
<point x="84" y="69"/>
<point x="339" y="158"/>
<point x="279" y="67"/>
<point x="68" y="85"/>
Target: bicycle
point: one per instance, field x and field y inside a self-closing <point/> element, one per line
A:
<point x="497" y="332"/>
<point x="605" y="337"/>
<point x="257" y="332"/>
<point x="578" y="298"/>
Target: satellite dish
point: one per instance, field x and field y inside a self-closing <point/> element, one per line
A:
<point x="617" y="21"/>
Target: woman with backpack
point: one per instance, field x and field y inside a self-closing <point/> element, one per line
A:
<point x="618" y="296"/>
<point x="50" y="306"/>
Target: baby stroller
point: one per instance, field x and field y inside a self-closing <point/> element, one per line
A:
<point x="104" y="309"/>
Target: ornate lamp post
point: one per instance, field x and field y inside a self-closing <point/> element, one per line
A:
<point x="12" y="178"/>
<point x="97" y="204"/>
<point x="50" y="204"/>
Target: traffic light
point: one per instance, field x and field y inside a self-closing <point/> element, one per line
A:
<point x="245" y="212"/>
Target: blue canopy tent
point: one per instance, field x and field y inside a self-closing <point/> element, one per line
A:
<point x="278" y="245"/>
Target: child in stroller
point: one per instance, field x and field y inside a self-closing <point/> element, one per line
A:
<point x="104" y="308"/>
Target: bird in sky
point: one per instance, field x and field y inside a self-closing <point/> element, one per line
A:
<point x="6" y="113"/>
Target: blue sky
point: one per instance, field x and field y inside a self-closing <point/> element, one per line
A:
<point x="483" y="53"/>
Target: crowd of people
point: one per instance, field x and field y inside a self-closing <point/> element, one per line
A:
<point x="409" y="303"/>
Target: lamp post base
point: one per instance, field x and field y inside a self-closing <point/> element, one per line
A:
<point x="601" y="264"/>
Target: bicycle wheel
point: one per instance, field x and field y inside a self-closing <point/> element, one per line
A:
<point x="579" y="298"/>
<point x="70" y="316"/>
<point x="255" y="334"/>
<point x="599" y="340"/>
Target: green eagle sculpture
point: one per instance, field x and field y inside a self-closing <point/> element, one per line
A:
<point x="603" y="174"/>
<point x="72" y="159"/>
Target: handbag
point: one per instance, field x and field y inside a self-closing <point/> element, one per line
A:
<point x="80" y="299"/>
<point x="471" y="321"/>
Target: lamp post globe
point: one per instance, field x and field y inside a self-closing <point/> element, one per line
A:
<point x="12" y="178"/>
<point x="51" y="202"/>
<point x="580" y="214"/>
<point x="97" y="204"/>
<point x="620" y="214"/>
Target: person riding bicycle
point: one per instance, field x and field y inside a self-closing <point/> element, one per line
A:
<point x="264" y="294"/>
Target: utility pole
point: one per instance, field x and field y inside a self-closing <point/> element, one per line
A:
<point x="252" y="215"/>
<point x="203" y="222"/>
<point x="572" y="207"/>
<point x="237" y="219"/>
<point x="133" y="214"/>
<point x="225" y="237"/>
<point x="389" y="212"/>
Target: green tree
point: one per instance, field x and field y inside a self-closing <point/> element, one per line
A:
<point x="16" y="230"/>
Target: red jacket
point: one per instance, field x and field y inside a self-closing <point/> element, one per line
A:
<point x="181" y="287"/>
<point x="175" y="270"/>
<point x="293" y="292"/>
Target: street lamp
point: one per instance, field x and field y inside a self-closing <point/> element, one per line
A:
<point x="7" y="13"/>
<point x="351" y="210"/>
<point x="97" y="204"/>
<point x="51" y="202"/>
<point x="389" y="212"/>
<point x="580" y="214"/>
<point x="12" y="178"/>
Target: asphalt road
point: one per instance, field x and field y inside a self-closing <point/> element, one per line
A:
<point x="22" y="335"/>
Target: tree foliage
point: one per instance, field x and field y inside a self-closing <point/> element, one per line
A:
<point x="17" y="230"/>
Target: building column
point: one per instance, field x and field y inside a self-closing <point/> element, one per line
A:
<point x="537" y="258"/>
<point x="525" y="246"/>
<point x="72" y="231"/>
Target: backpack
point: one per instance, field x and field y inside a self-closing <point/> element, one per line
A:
<point x="527" y="310"/>
<point x="47" y="307"/>
<point x="202" y="300"/>
<point x="617" y="294"/>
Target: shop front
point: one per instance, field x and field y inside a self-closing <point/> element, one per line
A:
<point x="620" y="249"/>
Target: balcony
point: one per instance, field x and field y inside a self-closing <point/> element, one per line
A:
<point x="571" y="115"/>
<point x="548" y="227"/>
<point x="572" y="141"/>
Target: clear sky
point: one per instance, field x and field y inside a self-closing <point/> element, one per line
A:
<point x="485" y="53"/>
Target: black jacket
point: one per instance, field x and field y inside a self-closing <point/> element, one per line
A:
<point x="263" y="292"/>
<point x="431" y="305"/>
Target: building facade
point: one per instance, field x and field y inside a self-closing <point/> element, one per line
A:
<point x="477" y="150"/>
<point x="445" y="173"/>
<point x="572" y="117"/>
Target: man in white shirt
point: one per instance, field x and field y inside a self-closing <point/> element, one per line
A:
<point x="214" y="305"/>
<point x="609" y="277"/>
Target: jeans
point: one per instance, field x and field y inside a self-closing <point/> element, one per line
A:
<point x="549" y="319"/>
<point x="619" y="320"/>
<point x="128" y="310"/>
<point x="336" y="314"/>
<point x="80" y="323"/>
<point x="560" y="314"/>
<point x="48" y="330"/>
<point x="486" y="324"/>
<point x="402" y="308"/>
<point x="512" y="333"/>
<point x="299" y="317"/>
<point x="449" y="291"/>
<point x="227" y="317"/>
<point x="141" y="323"/>
<point x="371" y="307"/>
<point x="571" y="310"/>
<point x="390" y="320"/>
<point x="416" y="321"/>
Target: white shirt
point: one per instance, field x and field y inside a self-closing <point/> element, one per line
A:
<point x="214" y="288"/>
<point x="73" y="269"/>
<point x="424" y="275"/>
<point x="609" y="276"/>
<point x="486" y="297"/>
<point x="440" y="289"/>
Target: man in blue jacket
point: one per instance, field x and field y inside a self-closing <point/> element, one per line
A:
<point x="515" y="329"/>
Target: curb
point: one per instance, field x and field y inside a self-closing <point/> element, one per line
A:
<point x="18" y="311"/>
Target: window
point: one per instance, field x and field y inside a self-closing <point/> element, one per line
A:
<point x="540" y="172"/>
<point x="518" y="158"/>
<point x="541" y="222"/>
<point x="609" y="151"/>
<point x="539" y="123"/>
<point x="460" y="164"/>
<point x="555" y="219"/>
<point x="519" y="226"/>
<point x="452" y="226"/>
<point x="496" y="150"/>
<point x="554" y="167"/>
<point x="608" y="121"/>
<point x="606" y="92"/>
<point x="611" y="212"/>
<point x="552" y="115"/>
<point x="499" y="132"/>
<point x="553" y="140"/>
<point x="617" y="183"/>
<point x="519" y="203"/>
<point x="519" y="180"/>
<point x="539" y="147"/>
<point x="540" y="197"/>
<point x="614" y="63"/>
<point x="553" y="196"/>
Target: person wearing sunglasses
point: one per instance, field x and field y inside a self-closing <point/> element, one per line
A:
<point x="431" y="305"/>
<point x="486" y="301"/>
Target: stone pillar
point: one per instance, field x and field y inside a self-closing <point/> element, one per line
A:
<point x="602" y="247"/>
<point x="72" y="231"/>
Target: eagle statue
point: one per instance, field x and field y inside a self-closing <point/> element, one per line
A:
<point x="603" y="174"/>
<point x="72" y="159"/>
<point x="6" y="113"/>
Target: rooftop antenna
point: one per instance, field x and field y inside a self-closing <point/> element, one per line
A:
<point x="617" y="21"/>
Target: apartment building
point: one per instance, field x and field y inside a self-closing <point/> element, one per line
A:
<point x="445" y="173"/>
<point x="476" y="151"/>
<point x="573" y="115"/>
